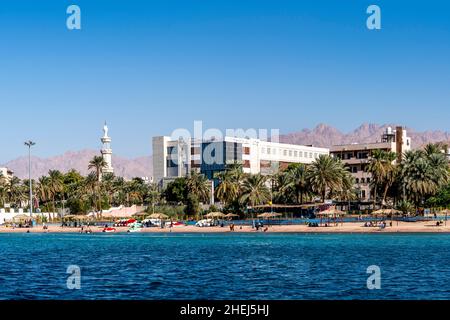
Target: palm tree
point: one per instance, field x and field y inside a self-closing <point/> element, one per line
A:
<point x="108" y="185"/>
<point x="297" y="177"/>
<point x="282" y="188"/>
<point x="153" y="195"/>
<point x="55" y="185"/>
<point x="15" y="191"/>
<point x="230" y="183"/>
<point x="435" y="148"/>
<point x="419" y="177"/>
<point x="199" y="185"/>
<point x="43" y="190"/>
<point x="326" y="174"/>
<point x="90" y="191"/>
<point x="97" y="163"/>
<point x="255" y="191"/>
<point x="377" y="169"/>
<point x="383" y="171"/>
<point x="3" y="190"/>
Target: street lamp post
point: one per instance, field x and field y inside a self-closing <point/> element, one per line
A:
<point x="29" y="144"/>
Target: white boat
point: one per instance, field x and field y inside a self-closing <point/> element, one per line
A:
<point x="205" y="223"/>
<point x="135" y="227"/>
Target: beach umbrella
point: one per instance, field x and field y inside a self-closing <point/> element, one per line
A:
<point x="269" y="215"/>
<point x="68" y="217"/>
<point x="21" y="217"/>
<point x="160" y="216"/>
<point x="215" y="215"/>
<point x="232" y="215"/>
<point x="140" y="214"/>
<point x="332" y="212"/>
<point x="82" y="217"/>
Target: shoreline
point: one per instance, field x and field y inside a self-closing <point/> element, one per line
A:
<point x="346" y="228"/>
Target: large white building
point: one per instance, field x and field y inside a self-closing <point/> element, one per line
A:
<point x="176" y="158"/>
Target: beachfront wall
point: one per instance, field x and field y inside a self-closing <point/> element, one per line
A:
<point x="8" y="215"/>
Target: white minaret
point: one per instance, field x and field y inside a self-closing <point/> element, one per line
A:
<point x="107" y="151"/>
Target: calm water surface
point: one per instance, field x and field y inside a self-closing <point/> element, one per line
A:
<point x="224" y="266"/>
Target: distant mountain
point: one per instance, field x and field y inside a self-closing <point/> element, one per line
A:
<point x="127" y="168"/>
<point x="325" y="136"/>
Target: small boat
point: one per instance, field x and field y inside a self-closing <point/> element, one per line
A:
<point x="109" y="230"/>
<point x="135" y="227"/>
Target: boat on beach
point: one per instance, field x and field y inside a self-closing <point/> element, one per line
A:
<point x="135" y="227"/>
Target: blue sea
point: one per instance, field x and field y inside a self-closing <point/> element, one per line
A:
<point x="224" y="266"/>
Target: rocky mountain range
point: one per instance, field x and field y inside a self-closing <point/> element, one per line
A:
<point x="79" y="160"/>
<point x="321" y="136"/>
<point x="325" y="136"/>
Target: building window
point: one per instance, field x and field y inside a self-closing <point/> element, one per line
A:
<point x="363" y="180"/>
<point x="295" y="154"/>
<point x="357" y="180"/>
<point x="246" y="150"/>
<point x="290" y="153"/>
<point x="263" y="150"/>
<point x="301" y="154"/>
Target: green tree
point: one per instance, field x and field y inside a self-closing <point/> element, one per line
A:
<point x="98" y="164"/>
<point x="176" y="191"/>
<point x="192" y="204"/>
<point x="255" y="191"/>
<point x="326" y="174"/>
<point x="297" y="176"/>
<point x="199" y="185"/>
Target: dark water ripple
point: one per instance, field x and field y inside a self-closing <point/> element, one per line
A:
<point x="239" y="266"/>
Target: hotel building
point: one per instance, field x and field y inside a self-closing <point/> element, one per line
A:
<point x="6" y="173"/>
<point x="356" y="157"/>
<point x="176" y="158"/>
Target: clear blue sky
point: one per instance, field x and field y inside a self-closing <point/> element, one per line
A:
<point x="148" y="67"/>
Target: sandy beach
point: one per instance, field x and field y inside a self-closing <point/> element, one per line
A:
<point x="350" y="227"/>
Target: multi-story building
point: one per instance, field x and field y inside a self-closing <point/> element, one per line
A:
<point x="6" y="173"/>
<point x="176" y="158"/>
<point x="356" y="157"/>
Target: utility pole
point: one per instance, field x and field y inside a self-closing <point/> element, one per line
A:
<point x="30" y="144"/>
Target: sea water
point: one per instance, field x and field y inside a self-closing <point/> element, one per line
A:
<point x="224" y="266"/>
